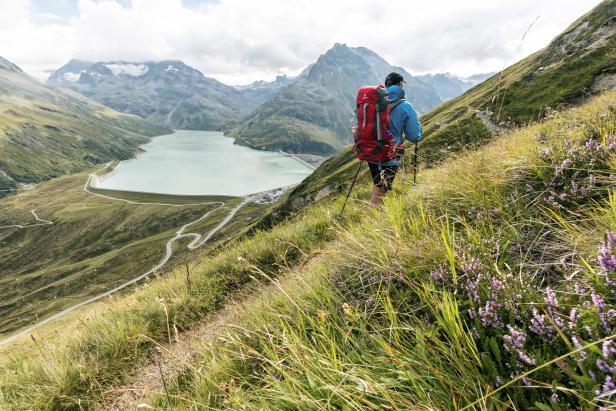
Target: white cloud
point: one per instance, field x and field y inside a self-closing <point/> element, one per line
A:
<point x="238" y="41"/>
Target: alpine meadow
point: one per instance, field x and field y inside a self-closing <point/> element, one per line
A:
<point x="484" y="279"/>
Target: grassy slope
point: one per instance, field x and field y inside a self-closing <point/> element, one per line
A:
<point x="366" y="326"/>
<point x="45" y="133"/>
<point x="129" y="328"/>
<point x="376" y="324"/>
<point x="559" y="75"/>
<point x="93" y="245"/>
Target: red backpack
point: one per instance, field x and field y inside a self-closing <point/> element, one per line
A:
<point x="373" y="139"/>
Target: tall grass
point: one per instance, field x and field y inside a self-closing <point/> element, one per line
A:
<point x="77" y="373"/>
<point x="458" y="294"/>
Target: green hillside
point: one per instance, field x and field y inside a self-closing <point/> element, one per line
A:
<point x="46" y="133"/>
<point x="575" y="65"/>
<point x="458" y="293"/>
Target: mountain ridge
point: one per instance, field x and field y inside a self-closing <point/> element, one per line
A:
<point x="296" y="118"/>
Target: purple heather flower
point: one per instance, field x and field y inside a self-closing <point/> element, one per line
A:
<point x="602" y="366"/>
<point x="608" y="386"/>
<point x="607" y="260"/>
<point x="497" y="284"/>
<point x="611" y="238"/>
<point x="554" y="398"/>
<point x="526" y="358"/>
<point x="471" y="288"/>
<point x="515" y="339"/>
<point x="608" y="349"/>
<point x="540" y="325"/>
<point x="470" y="266"/>
<point x="577" y="345"/>
<point x="573" y="317"/>
<point x="550" y="298"/>
<point x="600" y="306"/>
<point x="546" y="153"/>
<point x="438" y="275"/>
<point x="489" y="314"/>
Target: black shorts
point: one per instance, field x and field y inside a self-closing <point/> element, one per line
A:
<point x="383" y="176"/>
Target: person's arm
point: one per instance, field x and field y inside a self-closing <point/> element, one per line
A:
<point x="412" y="127"/>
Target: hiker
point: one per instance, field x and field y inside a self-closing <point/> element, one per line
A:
<point x="402" y="119"/>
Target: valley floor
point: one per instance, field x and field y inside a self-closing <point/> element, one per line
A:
<point x="44" y="272"/>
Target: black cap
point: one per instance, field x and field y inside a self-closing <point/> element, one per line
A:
<point x="393" y="78"/>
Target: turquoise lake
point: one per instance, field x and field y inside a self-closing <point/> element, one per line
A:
<point x="204" y="162"/>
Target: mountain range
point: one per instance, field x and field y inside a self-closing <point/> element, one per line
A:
<point x="315" y="115"/>
<point x="165" y="93"/>
<point x="46" y="132"/>
<point x="449" y="85"/>
<point x="283" y="114"/>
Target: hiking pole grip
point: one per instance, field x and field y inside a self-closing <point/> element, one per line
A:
<point x="350" y="189"/>
<point x="415" y="164"/>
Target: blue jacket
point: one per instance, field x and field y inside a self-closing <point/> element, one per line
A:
<point x="403" y="119"/>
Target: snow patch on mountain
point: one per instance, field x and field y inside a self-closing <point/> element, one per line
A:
<point x="72" y="76"/>
<point x="134" y="70"/>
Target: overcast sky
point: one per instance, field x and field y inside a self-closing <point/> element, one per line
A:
<point x="239" y="41"/>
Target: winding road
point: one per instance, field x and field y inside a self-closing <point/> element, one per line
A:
<point x="36" y="217"/>
<point x="198" y="240"/>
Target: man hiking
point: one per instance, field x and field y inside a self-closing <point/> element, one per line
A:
<point x="402" y="119"/>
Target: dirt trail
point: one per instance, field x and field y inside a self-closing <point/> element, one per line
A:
<point x="172" y="358"/>
<point x="183" y="352"/>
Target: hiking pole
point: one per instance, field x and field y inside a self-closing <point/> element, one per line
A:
<point x="415" y="165"/>
<point x="350" y="189"/>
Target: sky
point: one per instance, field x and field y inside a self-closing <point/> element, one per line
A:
<point x="241" y="41"/>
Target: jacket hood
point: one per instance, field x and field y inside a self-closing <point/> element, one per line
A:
<point x="395" y="92"/>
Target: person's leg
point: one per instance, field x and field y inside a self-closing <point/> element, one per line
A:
<point x="377" y="196"/>
<point x="382" y="177"/>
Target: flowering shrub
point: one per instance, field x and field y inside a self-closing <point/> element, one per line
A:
<point x="570" y="174"/>
<point x="511" y="309"/>
<point x="523" y="313"/>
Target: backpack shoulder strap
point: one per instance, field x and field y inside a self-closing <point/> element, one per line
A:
<point x="395" y="103"/>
